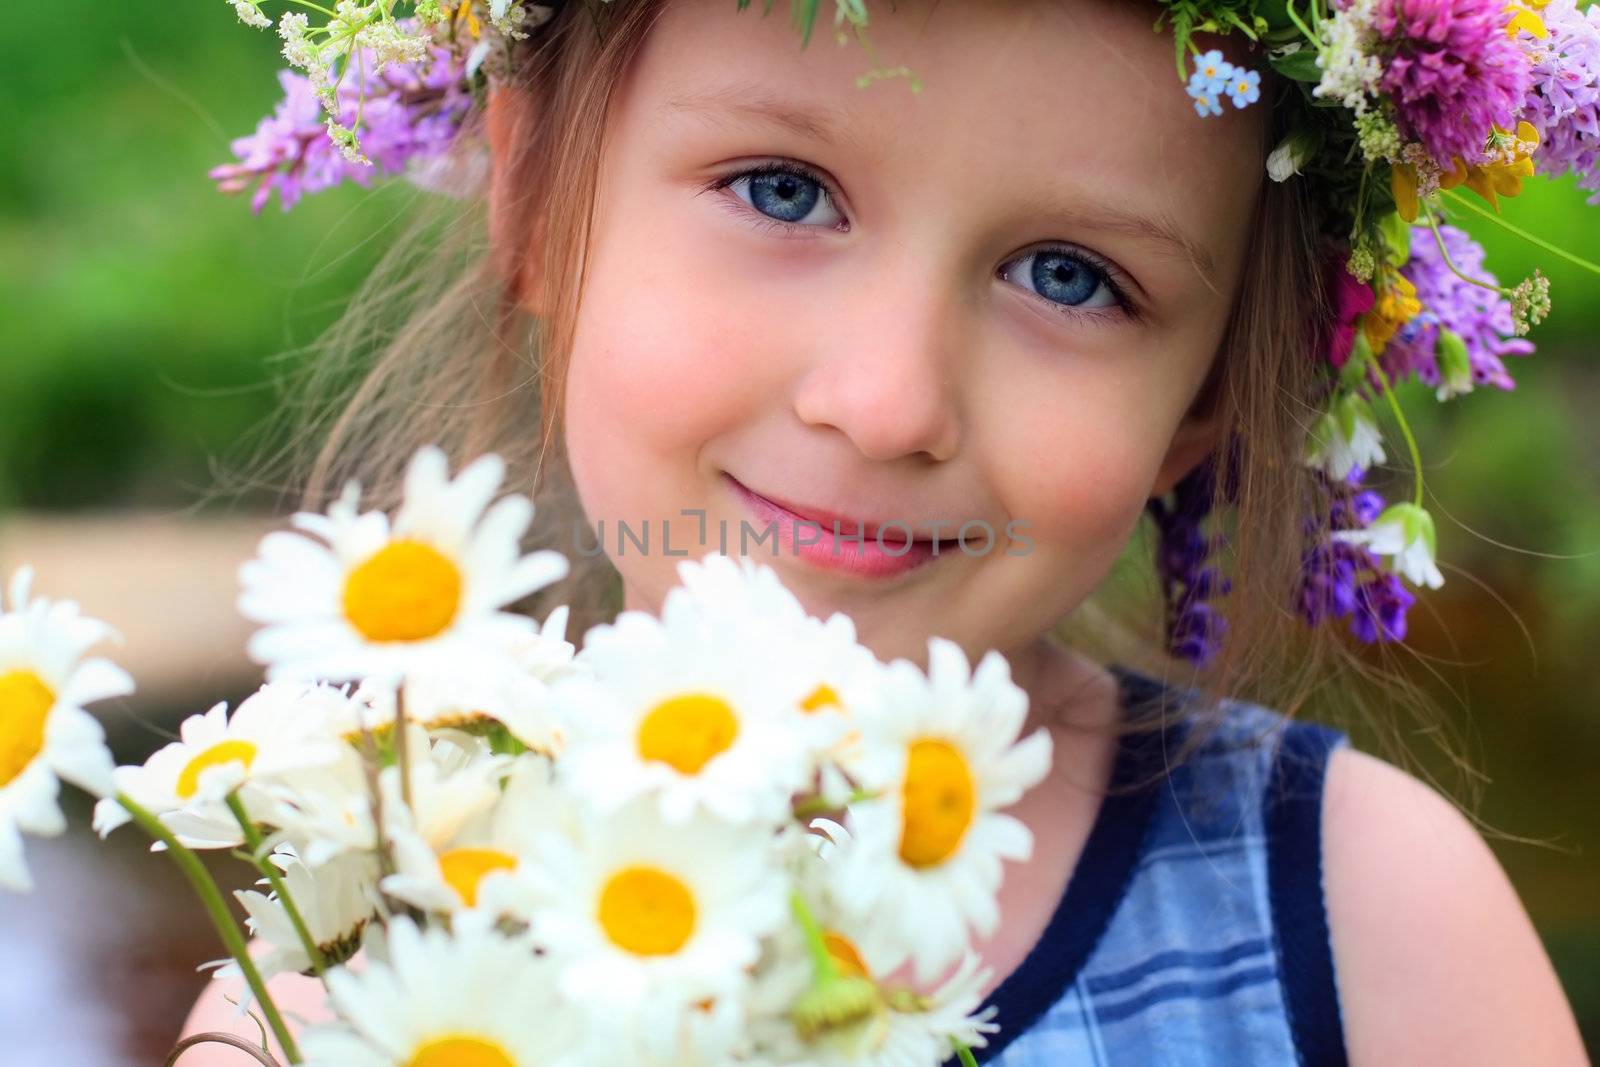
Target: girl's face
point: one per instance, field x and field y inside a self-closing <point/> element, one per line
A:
<point x="991" y="303"/>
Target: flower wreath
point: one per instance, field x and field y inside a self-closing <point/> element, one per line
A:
<point x="1398" y="109"/>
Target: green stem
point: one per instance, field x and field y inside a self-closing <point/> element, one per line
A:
<point x="1405" y="428"/>
<point x="1444" y="253"/>
<point x="964" y="1054"/>
<point x="821" y="959"/>
<point x="1361" y="190"/>
<point x="1458" y="199"/>
<point x="315" y="7"/>
<point x="1237" y="23"/>
<point x="205" y="888"/>
<point x="820" y="806"/>
<point x="263" y="863"/>
<point x="402" y="753"/>
<point x="1301" y="26"/>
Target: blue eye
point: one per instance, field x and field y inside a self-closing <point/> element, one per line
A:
<point x="1073" y="280"/>
<point x="787" y="195"/>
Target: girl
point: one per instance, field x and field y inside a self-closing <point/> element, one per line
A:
<point x="1031" y="297"/>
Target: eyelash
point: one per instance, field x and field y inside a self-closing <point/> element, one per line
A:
<point x="1126" y="307"/>
<point x="794" y="170"/>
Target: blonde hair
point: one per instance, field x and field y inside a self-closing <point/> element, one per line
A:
<point x="468" y="367"/>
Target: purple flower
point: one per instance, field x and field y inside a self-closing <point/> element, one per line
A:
<point x="1340" y="580"/>
<point x="1481" y="317"/>
<point x="1194" y="629"/>
<point x="1381" y="605"/>
<point x="410" y="112"/>
<point x="1451" y="71"/>
<point x="1564" y="102"/>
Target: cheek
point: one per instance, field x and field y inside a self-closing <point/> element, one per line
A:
<point x="662" y="363"/>
<point x="676" y="342"/>
<point x="1080" y="468"/>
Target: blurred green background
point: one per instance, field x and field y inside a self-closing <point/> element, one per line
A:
<point x="145" y="322"/>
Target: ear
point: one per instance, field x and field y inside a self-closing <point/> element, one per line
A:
<point x="516" y="228"/>
<point x="1195" y="439"/>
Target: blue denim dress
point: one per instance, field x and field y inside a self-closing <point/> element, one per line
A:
<point x="1193" y="930"/>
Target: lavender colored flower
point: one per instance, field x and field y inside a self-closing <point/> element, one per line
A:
<point x="1564" y="101"/>
<point x="407" y="113"/>
<point x="1480" y="317"/>
<point x="1342" y="580"/>
<point x="1451" y="71"/>
<point x="1381" y="605"/>
<point x="1194" y="628"/>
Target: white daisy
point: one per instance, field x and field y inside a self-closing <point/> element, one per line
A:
<point x="548" y="654"/>
<point x="324" y="811"/>
<point x="476" y="689"/>
<point x="872" y="1019"/>
<point x="646" y="917"/>
<point x="924" y="861"/>
<point x="700" y="723"/>
<point x="900" y="1028"/>
<point x="444" y="1000"/>
<point x="373" y="599"/>
<point x="739" y="598"/>
<point x="335" y="900"/>
<point x="478" y="868"/>
<point x="279" y="728"/>
<point x="742" y="597"/>
<point x="45" y="734"/>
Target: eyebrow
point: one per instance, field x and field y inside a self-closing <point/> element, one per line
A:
<point x="1159" y="229"/>
<point x="754" y="102"/>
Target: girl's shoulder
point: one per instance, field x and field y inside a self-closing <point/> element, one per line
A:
<point x="1437" y="960"/>
<point x="1391" y="920"/>
<point x="1359" y="887"/>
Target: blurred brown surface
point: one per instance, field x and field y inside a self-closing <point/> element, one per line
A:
<point x="165" y="581"/>
<point x="99" y="962"/>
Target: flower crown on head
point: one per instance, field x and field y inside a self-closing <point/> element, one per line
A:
<point x="1395" y="111"/>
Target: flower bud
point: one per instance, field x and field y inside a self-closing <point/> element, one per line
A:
<point x="1455" y="366"/>
<point x="1292" y="153"/>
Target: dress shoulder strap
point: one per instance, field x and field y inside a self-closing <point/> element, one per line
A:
<point x="1292" y="818"/>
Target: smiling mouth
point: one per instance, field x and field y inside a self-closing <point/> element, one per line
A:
<point x="894" y="532"/>
<point x="859" y="550"/>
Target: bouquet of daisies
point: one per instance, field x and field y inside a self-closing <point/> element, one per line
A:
<point x="725" y="835"/>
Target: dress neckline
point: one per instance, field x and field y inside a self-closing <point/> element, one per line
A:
<point x="1098" y="881"/>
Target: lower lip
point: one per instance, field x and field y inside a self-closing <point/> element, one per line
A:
<point x="865" y="557"/>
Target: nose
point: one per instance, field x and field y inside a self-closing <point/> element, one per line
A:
<point x="885" y="371"/>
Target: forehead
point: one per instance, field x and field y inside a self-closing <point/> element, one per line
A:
<point x="1050" y="99"/>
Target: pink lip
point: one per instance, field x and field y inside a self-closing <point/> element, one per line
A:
<point x="875" y="555"/>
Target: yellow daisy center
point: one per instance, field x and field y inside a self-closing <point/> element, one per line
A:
<point x="407" y="591"/>
<point x="215" y="756"/>
<point x="646" y="911"/>
<point x="687" y="731"/>
<point x="845" y="955"/>
<point x="464" y="868"/>
<point x="939" y="798"/>
<point x="25" y="703"/>
<point x="461" y="1051"/>
<point x="822" y="696"/>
